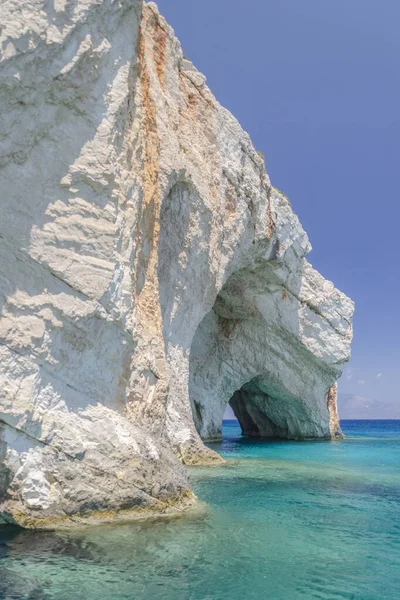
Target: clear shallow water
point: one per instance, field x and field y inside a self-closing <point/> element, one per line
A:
<point x="285" y="521"/>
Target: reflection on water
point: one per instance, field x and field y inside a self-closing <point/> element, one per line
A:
<point x="284" y="521"/>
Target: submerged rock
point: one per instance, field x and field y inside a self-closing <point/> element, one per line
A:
<point x="150" y="273"/>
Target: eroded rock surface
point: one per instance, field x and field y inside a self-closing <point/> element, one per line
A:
<point x="149" y="272"/>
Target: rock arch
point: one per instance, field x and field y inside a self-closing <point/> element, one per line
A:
<point x="249" y="351"/>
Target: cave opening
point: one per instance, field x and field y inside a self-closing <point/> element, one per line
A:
<point x="237" y="358"/>
<point x="252" y="407"/>
<point x="246" y="353"/>
<point x="259" y="414"/>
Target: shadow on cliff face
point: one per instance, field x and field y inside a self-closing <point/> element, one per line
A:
<point x="183" y="260"/>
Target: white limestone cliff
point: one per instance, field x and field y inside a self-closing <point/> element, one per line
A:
<point x="149" y="272"/>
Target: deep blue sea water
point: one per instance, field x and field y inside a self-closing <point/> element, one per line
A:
<point x="284" y="521"/>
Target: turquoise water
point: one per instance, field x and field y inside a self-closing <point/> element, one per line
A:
<point x="284" y="521"/>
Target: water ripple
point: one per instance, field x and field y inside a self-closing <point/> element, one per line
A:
<point x="290" y="521"/>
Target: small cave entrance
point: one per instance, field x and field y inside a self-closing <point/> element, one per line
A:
<point x="259" y="414"/>
<point x="251" y="407"/>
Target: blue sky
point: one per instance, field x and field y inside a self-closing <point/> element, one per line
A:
<point x="316" y="84"/>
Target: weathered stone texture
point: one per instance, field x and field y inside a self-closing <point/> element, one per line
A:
<point x="148" y="271"/>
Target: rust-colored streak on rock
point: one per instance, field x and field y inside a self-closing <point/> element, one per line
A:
<point x="270" y="223"/>
<point x="159" y="50"/>
<point x="146" y="398"/>
<point x="334" y="422"/>
<point x="148" y="223"/>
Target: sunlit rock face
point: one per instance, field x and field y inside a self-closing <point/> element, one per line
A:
<point x="150" y="273"/>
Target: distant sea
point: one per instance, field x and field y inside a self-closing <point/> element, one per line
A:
<point x="285" y="521"/>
